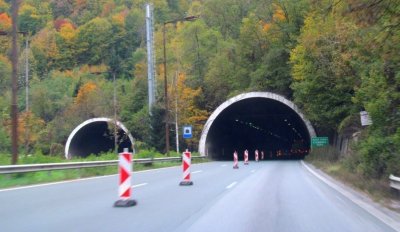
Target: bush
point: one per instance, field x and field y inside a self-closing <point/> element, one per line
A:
<point x="148" y="154"/>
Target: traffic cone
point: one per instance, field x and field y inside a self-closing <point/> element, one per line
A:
<point x="186" y="162"/>
<point x="235" y="160"/>
<point x="246" y="157"/>
<point x="125" y="172"/>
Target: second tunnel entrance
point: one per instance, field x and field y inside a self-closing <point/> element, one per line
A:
<point x="257" y="120"/>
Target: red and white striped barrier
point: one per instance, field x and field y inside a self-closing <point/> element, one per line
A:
<point x="235" y="160"/>
<point x="246" y="157"/>
<point x="125" y="171"/>
<point x="256" y="155"/>
<point x="186" y="162"/>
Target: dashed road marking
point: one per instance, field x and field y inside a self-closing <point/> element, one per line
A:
<point x="197" y="171"/>
<point x="139" y="185"/>
<point x="224" y="165"/>
<point x="231" y="185"/>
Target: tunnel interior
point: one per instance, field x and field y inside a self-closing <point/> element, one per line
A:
<point x="96" y="138"/>
<point x="258" y="123"/>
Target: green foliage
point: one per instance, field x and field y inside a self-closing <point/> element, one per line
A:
<point x="157" y="128"/>
<point x="322" y="82"/>
<point x="5" y="142"/>
<point x="93" y="39"/>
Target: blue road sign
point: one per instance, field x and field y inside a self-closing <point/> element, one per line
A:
<point x="187" y="132"/>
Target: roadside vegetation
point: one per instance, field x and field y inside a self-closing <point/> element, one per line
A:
<point x="346" y="170"/>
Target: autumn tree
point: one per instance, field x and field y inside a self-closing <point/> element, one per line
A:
<point x="323" y="75"/>
<point x="183" y="103"/>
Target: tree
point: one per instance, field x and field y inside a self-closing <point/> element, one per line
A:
<point x="33" y="16"/>
<point x="66" y="42"/>
<point x="94" y="41"/>
<point x="323" y="77"/>
<point x="45" y="51"/>
<point x="187" y="112"/>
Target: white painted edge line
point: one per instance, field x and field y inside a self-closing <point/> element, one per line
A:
<point x="139" y="185"/>
<point x="223" y="165"/>
<point x="231" y="185"/>
<point x="391" y="222"/>
<point x="253" y="171"/>
<point x="197" y="171"/>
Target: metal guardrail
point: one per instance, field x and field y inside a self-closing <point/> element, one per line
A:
<point x="11" y="169"/>
<point x="394" y="182"/>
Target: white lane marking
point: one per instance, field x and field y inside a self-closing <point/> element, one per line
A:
<point x="253" y="171"/>
<point x="224" y="165"/>
<point x="231" y="185"/>
<point x="139" y="185"/>
<point x="197" y="171"/>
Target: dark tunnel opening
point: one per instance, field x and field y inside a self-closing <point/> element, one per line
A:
<point x="96" y="138"/>
<point x="258" y="123"/>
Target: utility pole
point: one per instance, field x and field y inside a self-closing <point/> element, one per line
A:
<point x="14" y="63"/>
<point x="27" y="93"/>
<point x="115" y="115"/>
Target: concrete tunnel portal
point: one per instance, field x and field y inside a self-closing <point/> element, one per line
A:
<point x="95" y="136"/>
<point x="257" y="120"/>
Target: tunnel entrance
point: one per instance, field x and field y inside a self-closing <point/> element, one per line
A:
<point x="95" y="136"/>
<point x="258" y="120"/>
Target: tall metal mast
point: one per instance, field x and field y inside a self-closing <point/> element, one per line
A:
<point x="150" y="55"/>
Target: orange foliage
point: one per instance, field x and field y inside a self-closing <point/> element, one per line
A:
<point x="67" y="31"/>
<point x="185" y="105"/>
<point x="84" y="92"/>
<point x="279" y="14"/>
<point x="29" y="127"/>
<point x="5" y="22"/>
<point x="107" y="9"/>
<point x="120" y="17"/>
<point x="266" y="27"/>
<point x="59" y="23"/>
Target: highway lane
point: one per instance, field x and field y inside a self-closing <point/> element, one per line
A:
<point x="265" y="196"/>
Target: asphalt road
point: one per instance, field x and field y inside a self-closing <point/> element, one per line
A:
<point x="266" y="196"/>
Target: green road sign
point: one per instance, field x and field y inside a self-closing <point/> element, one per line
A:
<point x="319" y="141"/>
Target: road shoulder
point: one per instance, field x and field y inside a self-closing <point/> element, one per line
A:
<point x="389" y="217"/>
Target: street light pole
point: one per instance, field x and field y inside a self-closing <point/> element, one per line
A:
<point x="188" y="18"/>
